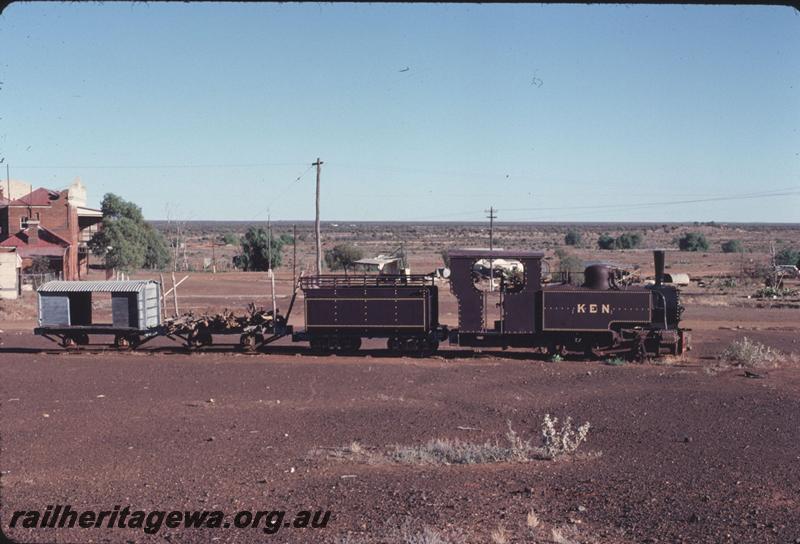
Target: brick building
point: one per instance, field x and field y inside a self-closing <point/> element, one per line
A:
<point x="52" y="225"/>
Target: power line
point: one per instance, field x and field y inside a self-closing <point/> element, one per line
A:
<point x="629" y="206"/>
<point x="162" y="166"/>
<point x="281" y="193"/>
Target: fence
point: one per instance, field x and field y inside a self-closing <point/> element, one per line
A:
<point x="36" y="280"/>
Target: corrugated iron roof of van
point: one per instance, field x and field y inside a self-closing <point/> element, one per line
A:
<point x="128" y="286"/>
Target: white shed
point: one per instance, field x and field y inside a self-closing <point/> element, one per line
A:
<point x="10" y="273"/>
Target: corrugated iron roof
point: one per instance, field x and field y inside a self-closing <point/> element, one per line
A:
<point x="129" y="286"/>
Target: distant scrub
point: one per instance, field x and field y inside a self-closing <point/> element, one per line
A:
<point x="732" y="246"/>
<point x="693" y="241"/>
<point x="573" y="238"/>
<point x="627" y="240"/>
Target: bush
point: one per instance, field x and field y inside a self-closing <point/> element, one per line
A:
<point x="732" y="246"/>
<point x="255" y="251"/>
<point x="606" y="242"/>
<point x="747" y="353"/>
<point x="788" y="255"/>
<point x="573" y="238"/>
<point x="342" y="256"/>
<point x="693" y="241"/>
<point x="628" y="240"/>
<point x="775" y="292"/>
<point x="230" y="239"/>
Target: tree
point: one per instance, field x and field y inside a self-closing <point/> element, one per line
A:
<point x="126" y="240"/>
<point x="573" y="238"/>
<point x="606" y="242"/>
<point x="255" y="251"/>
<point x="693" y="241"/>
<point x="732" y="246"/>
<point x="342" y="256"/>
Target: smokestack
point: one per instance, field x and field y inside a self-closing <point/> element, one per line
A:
<point x="658" y="260"/>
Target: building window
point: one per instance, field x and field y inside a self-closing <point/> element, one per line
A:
<point x="23" y="222"/>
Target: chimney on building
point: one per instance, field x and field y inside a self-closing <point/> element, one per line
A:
<point x="32" y="231"/>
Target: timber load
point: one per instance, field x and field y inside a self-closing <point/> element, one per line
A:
<point x="255" y="328"/>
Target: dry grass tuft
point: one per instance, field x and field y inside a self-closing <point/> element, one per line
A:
<point x="565" y="534"/>
<point x="445" y="451"/>
<point x="750" y="354"/>
<point x="499" y="535"/>
<point x="532" y="520"/>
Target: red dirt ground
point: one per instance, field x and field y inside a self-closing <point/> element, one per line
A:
<point x="679" y="451"/>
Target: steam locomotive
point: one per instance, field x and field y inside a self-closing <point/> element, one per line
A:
<point x="598" y="318"/>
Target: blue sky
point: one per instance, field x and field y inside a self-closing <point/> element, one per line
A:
<point x="547" y="112"/>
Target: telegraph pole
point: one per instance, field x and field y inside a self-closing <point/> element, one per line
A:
<point x="491" y="211"/>
<point x="269" y="242"/>
<point x="318" y="164"/>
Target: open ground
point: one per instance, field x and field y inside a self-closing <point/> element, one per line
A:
<point x="679" y="450"/>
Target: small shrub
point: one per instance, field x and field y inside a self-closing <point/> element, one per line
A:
<point x="572" y="238"/>
<point x="775" y="292"/>
<point x="693" y="241"/>
<point x="616" y="361"/>
<point x="556" y="358"/>
<point x="732" y="246"/>
<point x="556" y="441"/>
<point x="750" y="354"/>
<point x="532" y="520"/>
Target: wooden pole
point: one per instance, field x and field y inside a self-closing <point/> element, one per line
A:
<point x="162" y="302"/>
<point x="294" y="254"/>
<point x="175" y="294"/>
<point x="318" y="164"/>
<point x="213" y="255"/>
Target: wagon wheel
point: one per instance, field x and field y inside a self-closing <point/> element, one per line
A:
<point x="69" y="342"/>
<point x="81" y="338"/>
<point x="430" y="347"/>
<point x="122" y="342"/>
<point x="248" y="342"/>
